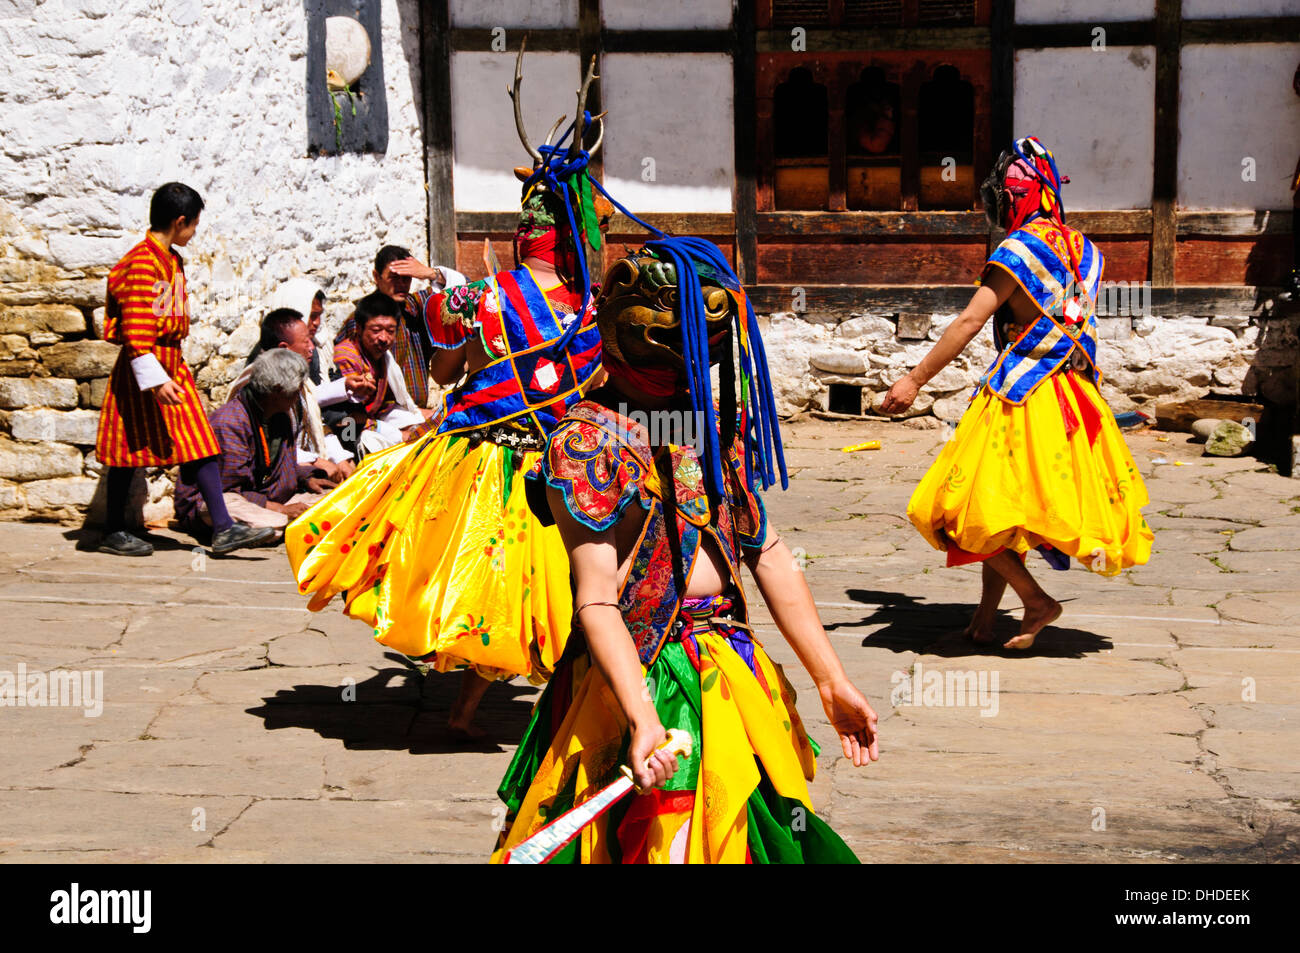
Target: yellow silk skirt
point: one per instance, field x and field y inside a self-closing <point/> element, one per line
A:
<point x="1014" y="477"/>
<point x="432" y="544"/>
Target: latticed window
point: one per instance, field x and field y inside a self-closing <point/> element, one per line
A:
<point x="804" y="13"/>
<point x="800" y="144"/>
<point x="946" y="13"/>
<point x="865" y="165"/>
<point x="872" y="113"/>
<point x="883" y="14"/>
<point x="869" y="13"/>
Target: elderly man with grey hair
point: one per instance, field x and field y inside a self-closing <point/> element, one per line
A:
<point x="261" y="480"/>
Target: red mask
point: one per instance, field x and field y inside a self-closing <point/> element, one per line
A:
<point x="1026" y="194"/>
<point x="547" y="248"/>
<point x="660" y="382"/>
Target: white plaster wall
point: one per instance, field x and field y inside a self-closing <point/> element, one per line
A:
<point x="1079" y="11"/>
<point x="1236" y="102"/>
<point x="514" y="14"/>
<point x="667" y="14"/>
<point x="104" y="100"/>
<point x="487" y="147"/>
<point x="1096" y="111"/>
<point x="1213" y="9"/>
<point x="675" y="108"/>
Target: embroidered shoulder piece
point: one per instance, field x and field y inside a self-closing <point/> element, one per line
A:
<point x="597" y="469"/>
<point x="1037" y="257"/>
<point x="452" y="315"/>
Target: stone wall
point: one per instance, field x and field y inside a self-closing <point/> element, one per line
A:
<point x="1143" y="360"/>
<point x="104" y="101"/>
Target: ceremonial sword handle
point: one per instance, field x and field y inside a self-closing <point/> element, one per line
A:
<point x="678" y="743"/>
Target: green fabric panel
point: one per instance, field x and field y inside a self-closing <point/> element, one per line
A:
<point x="528" y="756"/>
<point x="676" y="695"/>
<point x="508" y="467"/>
<point x="775" y="837"/>
<point x="589" y="224"/>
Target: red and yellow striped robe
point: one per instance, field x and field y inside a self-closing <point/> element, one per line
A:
<point x="148" y="313"/>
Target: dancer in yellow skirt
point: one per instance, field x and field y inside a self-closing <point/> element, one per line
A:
<point x="656" y="496"/>
<point x="432" y="542"/>
<point x="1037" y="461"/>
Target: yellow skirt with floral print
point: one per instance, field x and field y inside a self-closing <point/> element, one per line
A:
<point x="1053" y="472"/>
<point x="432" y="544"/>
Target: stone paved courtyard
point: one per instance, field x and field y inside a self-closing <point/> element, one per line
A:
<point x="1159" y="720"/>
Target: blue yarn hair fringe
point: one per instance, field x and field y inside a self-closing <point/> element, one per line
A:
<point x="764" y="455"/>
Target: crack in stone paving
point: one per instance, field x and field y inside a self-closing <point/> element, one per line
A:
<point x="1205" y="757"/>
<point x="212" y="841"/>
<point x="85" y="750"/>
<point x="147" y="734"/>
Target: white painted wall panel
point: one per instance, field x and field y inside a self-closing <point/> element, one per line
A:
<point x="486" y="147"/>
<point x="1236" y="102"/>
<point x="667" y="14"/>
<point x="1079" y="11"/>
<point x="1214" y="9"/>
<point x="1096" y="112"/>
<point x="674" y="108"/>
<point x="104" y="101"/>
<point x="485" y="14"/>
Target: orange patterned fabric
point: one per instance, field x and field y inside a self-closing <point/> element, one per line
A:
<point x="147" y="313"/>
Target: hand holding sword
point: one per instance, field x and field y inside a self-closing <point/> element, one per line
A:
<point x="548" y="842"/>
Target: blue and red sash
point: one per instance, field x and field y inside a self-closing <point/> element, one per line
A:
<point x="1037" y="257"/>
<point x="531" y="379"/>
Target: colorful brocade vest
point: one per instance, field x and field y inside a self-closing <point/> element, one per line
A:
<point x="530" y="380"/>
<point x="602" y="461"/>
<point x="1036" y="256"/>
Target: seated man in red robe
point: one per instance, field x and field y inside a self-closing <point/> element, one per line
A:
<point x="388" y="413"/>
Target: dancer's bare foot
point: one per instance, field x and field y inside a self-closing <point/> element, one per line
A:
<point x="980" y="630"/>
<point x="1038" y="615"/>
<point x="993" y="586"/>
<point x="465" y="728"/>
<point x="461" y="720"/>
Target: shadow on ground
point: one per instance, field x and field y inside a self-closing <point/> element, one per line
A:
<point x="400" y="709"/>
<point x="912" y="625"/>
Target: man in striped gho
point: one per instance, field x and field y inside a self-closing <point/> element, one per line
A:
<point x="152" y="416"/>
<point x="412" y="348"/>
<point x="384" y="413"/>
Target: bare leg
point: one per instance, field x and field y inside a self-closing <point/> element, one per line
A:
<point x="980" y="629"/>
<point x="1040" y="608"/>
<point x="472" y="689"/>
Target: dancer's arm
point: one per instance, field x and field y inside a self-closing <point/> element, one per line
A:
<point x="593" y="559"/>
<point x="788" y="598"/>
<point x="991" y="295"/>
<point x="447" y="365"/>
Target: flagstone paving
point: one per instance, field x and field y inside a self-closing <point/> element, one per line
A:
<point x="1157" y="721"/>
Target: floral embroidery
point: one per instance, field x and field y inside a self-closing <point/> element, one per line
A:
<point x="473" y="630"/>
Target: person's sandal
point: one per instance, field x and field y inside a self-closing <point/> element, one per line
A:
<point x="240" y="536"/>
<point x="123" y="543"/>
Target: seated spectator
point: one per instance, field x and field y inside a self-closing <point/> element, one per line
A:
<point x="412" y="348"/>
<point x="385" y="414"/>
<point x="262" y="483"/>
<point x="285" y="328"/>
<point x="308" y="299"/>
